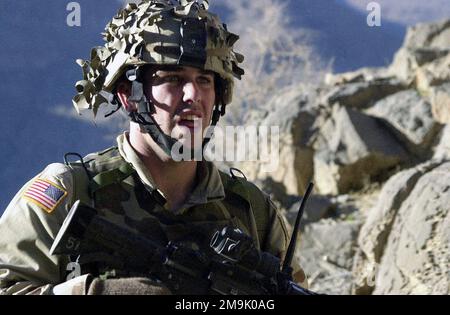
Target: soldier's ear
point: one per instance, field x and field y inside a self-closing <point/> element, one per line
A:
<point x="123" y="91"/>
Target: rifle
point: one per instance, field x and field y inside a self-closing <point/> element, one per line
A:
<point x="232" y="266"/>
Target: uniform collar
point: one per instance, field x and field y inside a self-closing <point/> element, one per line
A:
<point x="209" y="184"/>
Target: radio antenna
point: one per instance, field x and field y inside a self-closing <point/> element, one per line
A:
<point x="292" y="244"/>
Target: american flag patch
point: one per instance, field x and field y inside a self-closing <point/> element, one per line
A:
<point x="45" y="194"/>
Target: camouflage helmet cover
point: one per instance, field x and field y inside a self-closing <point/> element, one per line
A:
<point x="152" y="33"/>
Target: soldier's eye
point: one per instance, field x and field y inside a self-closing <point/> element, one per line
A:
<point x="175" y="79"/>
<point x="163" y="79"/>
<point x="204" y="80"/>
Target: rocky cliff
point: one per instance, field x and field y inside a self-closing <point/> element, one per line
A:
<point x="376" y="143"/>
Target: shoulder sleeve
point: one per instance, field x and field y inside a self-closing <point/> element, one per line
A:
<point x="277" y="238"/>
<point x="27" y="229"/>
<point x="273" y="231"/>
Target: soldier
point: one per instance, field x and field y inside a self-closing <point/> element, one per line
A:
<point x="170" y="65"/>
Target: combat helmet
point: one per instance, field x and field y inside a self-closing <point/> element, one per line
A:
<point x="158" y="32"/>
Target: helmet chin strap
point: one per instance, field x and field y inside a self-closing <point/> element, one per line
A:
<point x="145" y="110"/>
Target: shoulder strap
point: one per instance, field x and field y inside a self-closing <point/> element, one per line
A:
<point x="253" y="196"/>
<point x="97" y="171"/>
<point x="80" y="183"/>
<point x="113" y="176"/>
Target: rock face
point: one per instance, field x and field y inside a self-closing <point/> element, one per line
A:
<point x="327" y="251"/>
<point x="423" y="44"/>
<point x="376" y="143"/>
<point x="355" y="148"/>
<point x="362" y="94"/>
<point x="433" y="73"/>
<point x="296" y="114"/>
<point x="404" y="243"/>
<point x="409" y="116"/>
<point x="442" y="151"/>
<point x="440" y="101"/>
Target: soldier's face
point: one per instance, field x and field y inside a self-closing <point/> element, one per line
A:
<point x="184" y="99"/>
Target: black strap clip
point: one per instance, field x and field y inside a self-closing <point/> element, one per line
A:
<point x="193" y="43"/>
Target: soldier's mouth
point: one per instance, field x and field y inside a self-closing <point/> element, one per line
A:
<point x="190" y="120"/>
<point x="191" y="124"/>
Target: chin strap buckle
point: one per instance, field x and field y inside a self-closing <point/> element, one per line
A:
<point x="137" y="92"/>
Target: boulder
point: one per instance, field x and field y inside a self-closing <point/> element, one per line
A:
<point x="432" y="35"/>
<point x="408" y="116"/>
<point x="360" y="95"/>
<point x="408" y="60"/>
<point x="423" y="44"/>
<point x="442" y="150"/>
<point x="317" y="207"/>
<point x="403" y="245"/>
<point x="360" y="75"/>
<point x="326" y="254"/>
<point x="440" y="103"/>
<point x="416" y="259"/>
<point x="296" y="114"/>
<point x="433" y="74"/>
<point x="353" y="149"/>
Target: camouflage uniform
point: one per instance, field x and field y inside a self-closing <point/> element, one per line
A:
<point x="123" y="191"/>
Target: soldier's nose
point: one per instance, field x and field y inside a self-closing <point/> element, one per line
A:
<point x="191" y="93"/>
